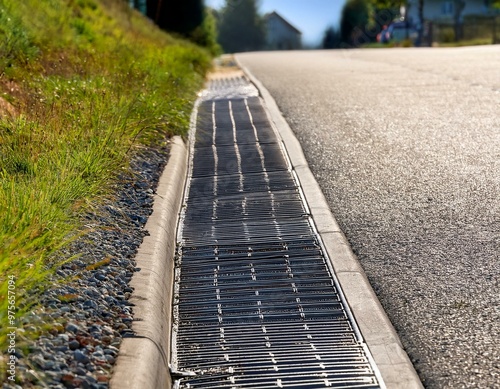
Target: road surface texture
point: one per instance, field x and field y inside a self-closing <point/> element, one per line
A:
<point x="405" y="144"/>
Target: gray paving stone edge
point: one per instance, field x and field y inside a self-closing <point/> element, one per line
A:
<point x="143" y="360"/>
<point x="395" y="367"/>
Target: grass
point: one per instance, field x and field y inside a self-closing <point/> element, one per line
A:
<point x="89" y="82"/>
<point x="376" y="45"/>
<point x="468" y="42"/>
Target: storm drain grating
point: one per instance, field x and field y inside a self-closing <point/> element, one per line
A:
<point x="255" y="304"/>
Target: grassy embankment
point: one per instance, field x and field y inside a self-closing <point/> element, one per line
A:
<point x="83" y="83"/>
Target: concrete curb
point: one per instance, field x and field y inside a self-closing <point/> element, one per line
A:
<point x="395" y="367"/>
<point x="143" y="360"/>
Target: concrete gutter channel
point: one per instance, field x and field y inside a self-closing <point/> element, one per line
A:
<point x="143" y="360"/>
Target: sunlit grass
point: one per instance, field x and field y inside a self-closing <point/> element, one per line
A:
<point x="91" y="80"/>
<point x="468" y="42"/>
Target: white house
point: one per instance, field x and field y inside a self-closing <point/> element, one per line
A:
<point x="281" y="35"/>
<point x="443" y="11"/>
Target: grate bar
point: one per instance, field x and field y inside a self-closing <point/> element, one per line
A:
<point x="255" y="304"/>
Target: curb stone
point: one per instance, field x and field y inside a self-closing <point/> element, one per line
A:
<point x="380" y="336"/>
<point x="143" y="360"/>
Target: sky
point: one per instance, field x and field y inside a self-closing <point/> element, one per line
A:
<point x="312" y="17"/>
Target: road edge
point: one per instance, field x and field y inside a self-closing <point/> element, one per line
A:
<point x="380" y="336"/>
<point x="143" y="359"/>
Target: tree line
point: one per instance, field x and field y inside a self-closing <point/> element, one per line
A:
<point x="362" y="20"/>
<point x="237" y="26"/>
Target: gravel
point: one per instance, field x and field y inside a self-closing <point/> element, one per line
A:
<point x="83" y="320"/>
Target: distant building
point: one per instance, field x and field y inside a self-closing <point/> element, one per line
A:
<point x="281" y="35"/>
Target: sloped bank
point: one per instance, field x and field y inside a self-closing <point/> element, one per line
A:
<point x="91" y="93"/>
<point x="85" y="320"/>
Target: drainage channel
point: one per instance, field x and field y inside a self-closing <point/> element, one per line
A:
<point x="256" y="304"/>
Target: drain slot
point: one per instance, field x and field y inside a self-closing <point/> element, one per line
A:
<point x="255" y="303"/>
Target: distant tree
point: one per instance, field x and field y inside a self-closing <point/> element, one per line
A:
<point x="241" y="28"/>
<point x="188" y="18"/>
<point x="393" y="5"/>
<point x="355" y="19"/>
<point x="459" y="6"/>
<point x="420" y="27"/>
<point x="388" y="4"/>
<point x="331" y="38"/>
<point x="152" y="8"/>
<point x="206" y="34"/>
<point x="385" y="11"/>
<point x="179" y="16"/>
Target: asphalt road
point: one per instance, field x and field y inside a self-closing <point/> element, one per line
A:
<point x="405" y="144"/>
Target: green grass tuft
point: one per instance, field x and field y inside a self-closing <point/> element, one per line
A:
<point x="91" y="81"/>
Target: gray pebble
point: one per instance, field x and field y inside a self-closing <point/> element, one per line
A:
<point x="110" y="359"/>
<point x="95" y="297"/>
<point x="92" y="292"/>
<point x="80" y="371"/>
<point x="72" y="328"/>
<point x="111" y="351"/>
<point x="39" y="360"/>
<point x="90" y="304"/>
<point x="98" y="354"/>
<point x="80" y="357"/>
<point x="64" y="337"/>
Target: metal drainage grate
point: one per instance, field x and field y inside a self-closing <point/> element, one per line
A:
<point x="229" y="87"/>
<point x="255" y="304"/>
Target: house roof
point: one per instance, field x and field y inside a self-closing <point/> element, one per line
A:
<point x="286" y="22"/>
